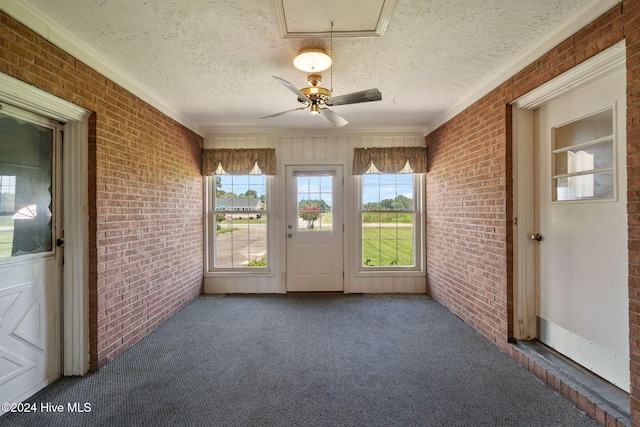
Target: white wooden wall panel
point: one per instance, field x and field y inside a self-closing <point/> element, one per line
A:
<point x="309" y="150"/>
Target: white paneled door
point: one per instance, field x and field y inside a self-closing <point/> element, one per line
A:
<point x="581" y="227"/>
<point x="314" y="228"/>
<point x="30" y="260"/>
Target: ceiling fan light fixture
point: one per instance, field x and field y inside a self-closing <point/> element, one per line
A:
<point x="312" y="59"/>
<point x="315" y="109"/>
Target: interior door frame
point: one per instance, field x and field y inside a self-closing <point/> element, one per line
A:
<point x="601" y="65"/>
<point x="75" y="213"/>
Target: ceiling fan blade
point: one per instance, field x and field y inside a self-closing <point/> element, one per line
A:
<point x="333" y="118"/>
<point x="293" y="89"/>
<point x="356" y="97"/>
<point x="282" y="114"/>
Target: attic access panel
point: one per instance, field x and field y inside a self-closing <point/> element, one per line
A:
<point x="353" y="18"/>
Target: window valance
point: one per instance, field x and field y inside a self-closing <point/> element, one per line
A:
<point x="240" y="161"/>
<point x="390" y="160"/>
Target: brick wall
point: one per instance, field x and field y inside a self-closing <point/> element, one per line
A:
<point x="469" y="189"/>
<point x="145" y="191"/>
<point x="466" y="216"/>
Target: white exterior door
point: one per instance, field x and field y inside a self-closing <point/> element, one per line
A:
<point x="580" y="233"/>
<point x="30" y="261"/>
<point x="314" y="228"/>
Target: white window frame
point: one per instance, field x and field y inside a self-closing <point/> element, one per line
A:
<point x="420" y="215"/>
<point x="210" y="229"/>
<point x="613" y="138"/>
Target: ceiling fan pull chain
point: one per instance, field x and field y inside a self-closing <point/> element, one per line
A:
<point x="331" y="69"/>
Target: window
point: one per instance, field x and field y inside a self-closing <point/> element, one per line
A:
<point x="390" y="217"/>
<point x="239" y="216"/>
<point x="7" y="212"/>
<point x="583" y="159"/>
<point x="7" y="194"/>
<point x="27" y="184"/>
<point x="315" y="198"/>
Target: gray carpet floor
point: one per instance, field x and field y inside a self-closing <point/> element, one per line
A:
<point x="308" y="360"/>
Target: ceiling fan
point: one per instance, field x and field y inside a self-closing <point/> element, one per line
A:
<point x="316" y="98"/>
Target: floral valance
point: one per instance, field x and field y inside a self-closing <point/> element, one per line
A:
<point x="240" y="161"/>
<point x="390" y="160"/>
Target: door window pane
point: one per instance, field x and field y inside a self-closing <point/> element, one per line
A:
<point x="26" y="163"/>
<point x="583" y="159"/>
<point x="315" y="198"/>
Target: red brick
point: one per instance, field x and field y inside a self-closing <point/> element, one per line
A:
<point x="166" y="185"/>
<point x="469" y="152"/>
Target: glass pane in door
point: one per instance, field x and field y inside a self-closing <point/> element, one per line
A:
<point x="314" y="195"/>
<point x="26" y="163"/>
<point x="583" y="159"/>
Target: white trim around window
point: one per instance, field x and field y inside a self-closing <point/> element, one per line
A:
<point x="418" y="268"/>
<point x="211" y="225"/>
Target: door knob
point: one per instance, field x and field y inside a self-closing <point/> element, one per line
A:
<point x="289" y="235"/>
<point x="536" y="237"/>
<point x="289" y="226"/>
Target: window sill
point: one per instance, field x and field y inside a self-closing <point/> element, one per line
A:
<point x="239" y="272"/>
<point x="394" y="273"/>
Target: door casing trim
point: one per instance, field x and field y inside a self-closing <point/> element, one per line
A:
<point x="75" y="278"/>
<point x="605" y="63"/>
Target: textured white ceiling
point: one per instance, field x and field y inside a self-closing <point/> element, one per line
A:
<point x="213" y="60"/>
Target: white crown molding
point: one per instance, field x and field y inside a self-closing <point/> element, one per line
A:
<point x="582" y="16"/>
<point x="59" y="36"/>
<point x="209" y="132"/>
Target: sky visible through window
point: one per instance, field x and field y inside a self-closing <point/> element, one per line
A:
<point x="378" y="187"/>
<point x="7" y="184"/>
<point x="315" y="188"/>
<point x="240" y="184"/>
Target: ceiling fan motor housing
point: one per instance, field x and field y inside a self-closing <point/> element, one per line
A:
<point x="316" y="93"/>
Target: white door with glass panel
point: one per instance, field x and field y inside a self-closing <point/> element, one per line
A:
<point x="314" y="229"/>
<point x="581" y="228"/>
<point x="30" y="261"/>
